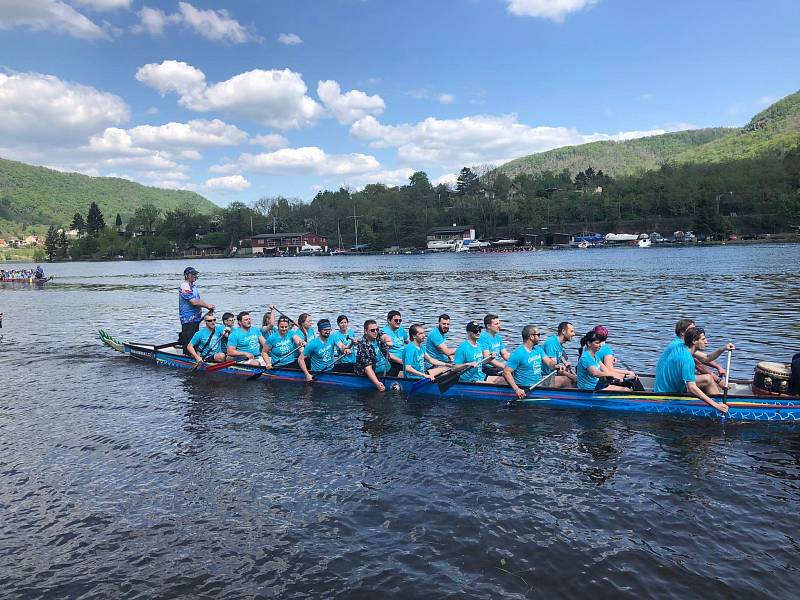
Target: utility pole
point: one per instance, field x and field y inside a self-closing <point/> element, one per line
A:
<point x="339" y="233"/>
<point x="355" y="218"/>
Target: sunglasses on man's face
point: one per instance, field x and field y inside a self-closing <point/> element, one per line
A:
<point x="211" y="320"/>
<point x="375" y="330"/>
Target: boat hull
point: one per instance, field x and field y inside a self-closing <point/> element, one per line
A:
<point x="28" y="280"/>
<point x="741" y="407"/>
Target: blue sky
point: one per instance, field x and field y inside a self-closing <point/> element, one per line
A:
<point x="243" y="99"/>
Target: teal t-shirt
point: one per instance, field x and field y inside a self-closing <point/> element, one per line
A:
<point x="310" y="334"/>
<point x="526" y="365"/>
<point x="587" y="381"/>
<point x="347" y="339"/>
<point x="201" y="343"/>
<point x="674" y="370"/>
<point x="280" y="345"/>
<point x="492" y="343"/>
<point x="414" y="356"/>
<point x="467" y="353"/>
<point x="246" y="341"/>
<point x="554" y="349"/>
<point x="605" y="350"/>
<point x="435" y="339"/>
<point x="320" y="353"/>
<point x="399" y="339"/>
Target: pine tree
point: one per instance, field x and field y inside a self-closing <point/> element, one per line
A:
<point x="94" y="219"/>
<point x="51" y="243"/>
<point x="62" y="245"/>
<point x="118" y="222"/>
<point x="78" y="223"/>
<point x="467" y="182"/>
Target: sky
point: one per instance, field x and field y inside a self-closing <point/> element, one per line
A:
<point x="242" y="99"/>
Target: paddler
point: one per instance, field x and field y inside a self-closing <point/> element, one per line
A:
<point x="524" y="365"/>
<point x="396" y="338"/>
<point x="304" y="332"/>
<point x="554" y="348"/>
<point x="470" y="354"/>
<point x="344" y="340"/>
<point x="319" y="351"/>
<point x="436" y="342"/>
<point x="593" y="373"/>
<point x="675" y="373"/>
<point x="415" y="357"/>
<point x="371" y="354"/>
<point x="246" y="342"/>
<point x="207" y="344"/>
<point x="279" y="346"/>
<point x="492" y="344"/>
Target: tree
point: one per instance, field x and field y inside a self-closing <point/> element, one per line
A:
<point x="118" y="223"/>
<point x="51" y="243"/>
<point x="62" y="246"/>
<point x="94" y="219"/>
<point x="146" y="217"/>
<point x="467" y="183"/>
<point x="78" y="223"/>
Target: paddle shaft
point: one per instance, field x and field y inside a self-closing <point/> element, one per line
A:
<point x="727" y="378"/>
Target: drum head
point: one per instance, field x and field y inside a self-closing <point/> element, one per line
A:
<point x="775" y="369"/>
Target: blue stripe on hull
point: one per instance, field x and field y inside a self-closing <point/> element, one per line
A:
<point x="741" y="408"/>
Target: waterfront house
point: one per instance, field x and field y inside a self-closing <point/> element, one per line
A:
<point x="287" y="243"/>
<point x="204" y="250"/>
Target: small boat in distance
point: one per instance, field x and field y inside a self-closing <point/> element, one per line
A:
<point x="621" y="238"/>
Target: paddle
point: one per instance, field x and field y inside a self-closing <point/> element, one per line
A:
<point x="727" y="378"/>
<point x="328" y="368"/>
<point x="283" y="314"/>
<point x="261" y="370"/>
<point x="449" y="378"/>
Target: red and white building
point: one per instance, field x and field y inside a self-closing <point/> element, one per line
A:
<point x="289" y="243"/>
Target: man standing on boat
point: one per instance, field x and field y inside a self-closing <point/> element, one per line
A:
<point x="190" y="306"/>
<point x="675" y="370"/>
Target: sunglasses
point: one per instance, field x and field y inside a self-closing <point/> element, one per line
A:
<point x="211" y="320"/>
<point x="397" y="320"/>
<point x="374" y="330"/>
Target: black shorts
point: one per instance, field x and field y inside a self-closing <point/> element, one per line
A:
<point x="394" y="369"/>
<point x="187" y="332"/>
<point x="491" y="370"/>
<point x="344" y="367"/>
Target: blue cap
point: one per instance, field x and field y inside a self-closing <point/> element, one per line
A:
<point x="190" y="271"/>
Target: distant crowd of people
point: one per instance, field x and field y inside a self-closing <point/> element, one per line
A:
<point x="16" y="274"/>
<point x="414" y="353"/>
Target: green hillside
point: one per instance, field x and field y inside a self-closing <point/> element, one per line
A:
<point x="774" y="130"/>
<point x="39" y="197"/>
<point x="615" y="158"/>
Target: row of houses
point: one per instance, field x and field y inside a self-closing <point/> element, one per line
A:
<point x="29" y="241"/>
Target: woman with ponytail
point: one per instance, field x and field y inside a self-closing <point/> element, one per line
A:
<point x="592" y="373"/>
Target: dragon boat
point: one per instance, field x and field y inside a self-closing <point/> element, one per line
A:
<point x="743" y="404"/>
<point x="28" y="280"/>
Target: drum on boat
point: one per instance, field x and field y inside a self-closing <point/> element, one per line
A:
<point x="772" y="378"/>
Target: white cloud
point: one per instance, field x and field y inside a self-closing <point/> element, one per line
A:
<point x="105" y="5"/>
<point x="196" y="133"/>
<point x="302" y="161"/>
<point x="555" y="10"/>
<point x="290" y="39"/>
<point x="153" y="21"/>
<point x="350" y="106"/>
<point x="270" y="141"/>
<point x="48" y="15"/>
<point x="424" y="94"/>
<point x="446" y="98"/>
<point x="448" y="179"/>
<point x="274" y="98"/>
<point x="215" y="25"/>
<point x="478" y="139"/>
<point x="43" y="108"/>
<point x="231" y="184"/>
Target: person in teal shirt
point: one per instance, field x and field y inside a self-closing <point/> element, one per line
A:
<point x="436" y="343"/>
<point x="415" y="356"/>
<point x="524" y="365"/>
<point x="675" y="370"/>
<point x="470" y="354"/>
<point x="493" y="346"/>
<point x="554" y="348"/>
<point x="304" y="332"/>
<point x="246" y="342"/>
<point x="592" y="372"/>
<point x="370" y="360"/>
<point x="319" y="351"/>
<point x="344" y="340"/>
<point x="396" y="338"/>
<point x="606" y="353"/>
<point x="280" y="346"/>
<point x="205" y="345"/>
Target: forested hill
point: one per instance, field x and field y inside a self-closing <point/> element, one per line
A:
<point x="39" y="196"/>
<point x="614" y="158"/>
<point x="775" y="130"/>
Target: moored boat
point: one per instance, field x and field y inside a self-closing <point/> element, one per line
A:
<point x="743" y="405"/>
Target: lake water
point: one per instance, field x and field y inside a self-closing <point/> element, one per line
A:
<point x="121" y="480"/>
